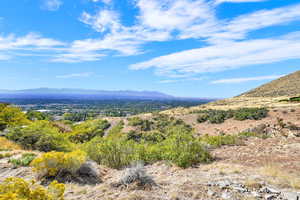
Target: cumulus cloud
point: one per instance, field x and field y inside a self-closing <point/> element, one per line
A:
<point x="246" y="79"/>
<point x="51" y="5"/>
<point x="164" y="20"/>
<point x="226" y="40"/>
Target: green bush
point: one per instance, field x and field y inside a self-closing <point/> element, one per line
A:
<point x="252" y="134"/>
<point x="219" y="116"/>
<point x="219" y="140"/>
<point x="143" y="124"/>
<point x="11" y="117"/>
<point x="184" y="150"/>
<point x="39" y="135"/>
<point x="25" y="160"/>
<point x="202" y="118"/>
<point x="180" y="147"/>
<point x="87" y="130"/>
<point x="250" y="113"/>
<point x="112" y="153"/>
<point x="135" y="121"/>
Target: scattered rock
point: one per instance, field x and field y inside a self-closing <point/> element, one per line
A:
<point x="226" y="195"/>
<point x="270" y="196"/>
<point x="256" y="194"/>
<point x="269" y="190"/>
<point x="239" y="188"/>
<point x="291" y="195"/>
<point x="211" y="193"/>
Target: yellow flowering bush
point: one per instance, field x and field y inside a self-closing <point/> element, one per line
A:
<point x="19" y="189"/>
<point x="51" y="163"/>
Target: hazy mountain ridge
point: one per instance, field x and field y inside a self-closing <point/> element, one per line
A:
<point x="80" y="93"/>
<point x="68" y="93"/>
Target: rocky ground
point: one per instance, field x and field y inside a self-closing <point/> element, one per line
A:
<point x="258" y="169"/>
<point x="254" y="169"/>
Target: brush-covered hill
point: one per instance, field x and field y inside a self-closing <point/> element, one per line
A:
<point x="288" y="85"/>
<point x="274" y="94"/>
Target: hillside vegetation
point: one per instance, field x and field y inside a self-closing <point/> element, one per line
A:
<point x="285" y="86"/>
<point x="217" y="151"/>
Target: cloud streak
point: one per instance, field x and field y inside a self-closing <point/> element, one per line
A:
<point x="226" y="56"/>
<point x="245" y="79"/>
<point x="237" y="1"/>
<point x="75" y="75"/>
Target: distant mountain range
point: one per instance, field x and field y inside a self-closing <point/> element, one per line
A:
<point x="65" y="93"/>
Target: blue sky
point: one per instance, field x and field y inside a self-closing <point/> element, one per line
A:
<point x="194" y="48"/>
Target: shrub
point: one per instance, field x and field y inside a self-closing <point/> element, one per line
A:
<point x="219" y="140"/>
<point x="252" y="134"/>
<point x="214" y="116"/>
<point x="136" y="174"/>
<point x="250" y="113"/>
<point x="5" y="155"/>
<point x="19" y="189"/>
<point x="135" y="121"/>
<point x="144" y="125"/>
<point x="184" y="150"/>
<point x="202" y="118"/>
<point x="39" y="135"/>
<point x="87" y="130"/>
<point x="180" y="147"/>
<point x="112" y="153"/>
<point x="11" y="116"/>
<point x="36" y="115"/>
<point x="51" y="163"/>
<point x="219" y="116"/>
<point x="5" y="144"/>
<point x="24" y="161"/>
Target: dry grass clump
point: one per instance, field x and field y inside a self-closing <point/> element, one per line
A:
<point x="6" y="144"/>
<point x="280" y="177"/>
<point x="136" y="175"/>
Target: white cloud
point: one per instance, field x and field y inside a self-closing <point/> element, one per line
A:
<point x="75" y="75"/>
<point x="239" y="27"/>
<point x="237" y="1"/>
<point x="104" y="1"/>
<point x="77" y="57"/>
<point x="31" y="44"/>
<point x="181" y="80"/>
<point x="246" y="79"/>
<point x="226" y="56"/>
<point x="104" y="20"/>
<point x="171" y="15"/>
<point x="164" y="20"/>
<point x="31" y="40"/>
<point x="51" y="5"/>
